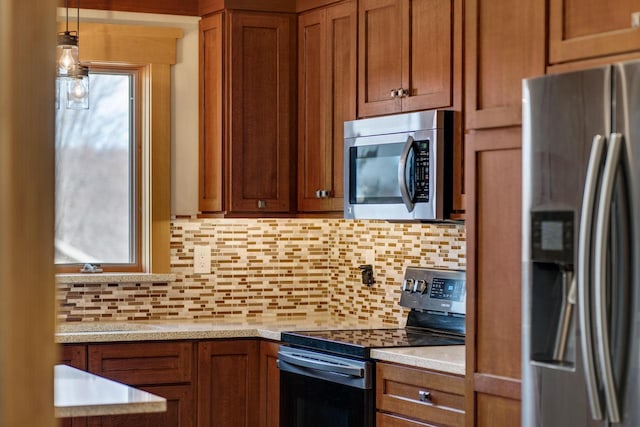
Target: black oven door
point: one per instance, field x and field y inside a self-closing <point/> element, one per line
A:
<point x="319" y="390"/>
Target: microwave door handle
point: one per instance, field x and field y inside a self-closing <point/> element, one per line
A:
<point x="402" y="167"/>
<point x="583" y="274"/>
<point x="601" y="239"/>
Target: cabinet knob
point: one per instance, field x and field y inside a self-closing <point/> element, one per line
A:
<point x="403" y="92"/>
<point x="424" y="396"/>
<point x="262" y="204"/>
<point x="395" y="93"/>
<point x="323" y="194"/>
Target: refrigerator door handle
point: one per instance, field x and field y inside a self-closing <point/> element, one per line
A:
<point x="600" y="272"/>
<point x="583" y="276"/>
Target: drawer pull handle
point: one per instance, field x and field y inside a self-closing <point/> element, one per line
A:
<point x="424" y="396"/>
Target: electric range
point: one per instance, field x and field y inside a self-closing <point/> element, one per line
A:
<point x="327" y="376"/>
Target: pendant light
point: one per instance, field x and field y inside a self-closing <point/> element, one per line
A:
<point x="67" y="49"/>
<point x="78" y="88"/>
<point x="74" y="74"/>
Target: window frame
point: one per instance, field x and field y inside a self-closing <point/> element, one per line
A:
<point x="137" y="236"/>
<point x="153" y="50"/>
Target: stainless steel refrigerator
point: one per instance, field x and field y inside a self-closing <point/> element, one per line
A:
<point x="581" y="248"/>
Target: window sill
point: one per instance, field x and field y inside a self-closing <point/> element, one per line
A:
<point x="80" y="278"/>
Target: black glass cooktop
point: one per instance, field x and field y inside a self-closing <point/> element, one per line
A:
<point x="359" y="342"/>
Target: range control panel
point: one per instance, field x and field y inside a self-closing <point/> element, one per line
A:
<point x="428" y="289"/>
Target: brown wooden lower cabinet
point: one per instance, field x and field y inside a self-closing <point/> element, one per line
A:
<point x="228" y="386"/>
<point x="388" y="420"/>
<point x="76" y="356"/>
<point x="407" y="397"/>
<point x="161" y="368"/>
<point x="237" y="381"/>
<point x="180" y="411"/>
<point x="269" y="385"/>
<point x="493" y="411"/>
<point x="494" y="224"/>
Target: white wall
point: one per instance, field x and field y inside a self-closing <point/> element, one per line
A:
<point x="184" y="98"/>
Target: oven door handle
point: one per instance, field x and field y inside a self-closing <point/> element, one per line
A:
<point x="320" y="365"/>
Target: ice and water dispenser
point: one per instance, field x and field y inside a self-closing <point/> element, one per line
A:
<point x="553" y="289"/>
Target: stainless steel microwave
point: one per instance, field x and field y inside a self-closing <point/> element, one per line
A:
<point x="400" y="167"/>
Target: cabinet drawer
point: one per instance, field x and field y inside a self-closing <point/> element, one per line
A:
<point x="387" y="420"/>
<point x="146" y="363"/>
<point x="420" y="395"/>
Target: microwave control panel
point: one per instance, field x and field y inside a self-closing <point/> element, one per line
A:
<point x="422" y="171"/>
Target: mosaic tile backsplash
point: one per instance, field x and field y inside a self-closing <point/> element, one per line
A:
<point x="276" y="267"/>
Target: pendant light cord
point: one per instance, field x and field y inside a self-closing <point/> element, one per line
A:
<point x="66" y="4"/>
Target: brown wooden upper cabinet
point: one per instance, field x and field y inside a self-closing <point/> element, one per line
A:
<point x="409" y="55"/>
<point x="326" y="99"/>
<point x="505" y="42"/>
<point x="581" y="29"/>
<point x="247" y="78"/>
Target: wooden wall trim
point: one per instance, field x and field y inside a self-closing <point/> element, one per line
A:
<point x="589" y="63"/>
<point x="305" y="5"/>
<point x="159" y="77"/>
<point x="499" y="143"/>
<point x="27" y="282"/>
<point x="171" y="7"/>
<point x="498" y="386"/>
<point x="282" y="6"/>
<point x="131" y="44"/>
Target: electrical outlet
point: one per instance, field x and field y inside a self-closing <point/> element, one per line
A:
<point x="202" y="259"/>
<point x="370" y="256"/>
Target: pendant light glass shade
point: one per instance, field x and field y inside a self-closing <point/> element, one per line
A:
<point x="78" y="88"/>
<point x="66" y="53"/>
<point x="69" y="69"/>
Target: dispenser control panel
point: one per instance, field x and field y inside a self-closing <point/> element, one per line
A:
<point x="552" y="236"/>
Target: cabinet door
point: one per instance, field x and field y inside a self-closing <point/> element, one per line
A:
<point x="494" y="211"/>
<point x="228" y="383"/>
<point x="313" y="135"/>
<point x="162" y="368"/>
<point x="380" y="56"/>
<point x="269" y="385"/>
<point x="505" y="42"/>
<point x="143" y="363"/>
<point x="73" y="355"/>
<point x="180" y="411"/>
<point x="427" y="54"/>
<point x="211" y="113"/>
<point x="342" y="22"/>
<point x="262" y="81"/>
<point x="580" y="29"/>
<point x="326" y="99"/>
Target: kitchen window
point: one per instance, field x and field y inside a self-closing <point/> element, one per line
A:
<point x="98" y="176"/>
<point x="149" y="52"/>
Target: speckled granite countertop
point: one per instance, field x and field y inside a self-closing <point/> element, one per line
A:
<point x="446" y="359"/>
<point x="450" y="359"/>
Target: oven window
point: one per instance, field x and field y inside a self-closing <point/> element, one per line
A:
<point x="374" y="173"/>
<point x="311" y="402"/>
